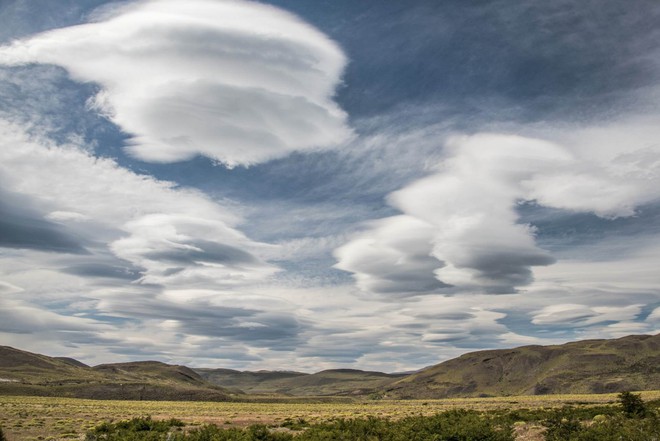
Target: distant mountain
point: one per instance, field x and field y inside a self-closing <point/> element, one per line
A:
<point x="23" y="367"/>
<point x="25" y="373"/>
<point x="336" y="382"/>
<point x="154" y="370"/>
<point x="259" y="382"/>
<point x="590" y="366"/>
<point x="71" y="361"/>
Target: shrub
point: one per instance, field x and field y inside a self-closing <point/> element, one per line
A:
<point x="633" y="405"/>
<point x="141" y="428"/>
<point x="562" y="426"/>
<point x="454" y="425"/>
<point x="616" y="429"/>
<point x="634" y="422"/>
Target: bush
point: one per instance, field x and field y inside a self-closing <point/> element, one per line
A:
<point x="146" y="429"/>
<point x="562" y="425"/>
<point x="633" y="405"/>
<point x="141" y="428"/>
<point x="615" y="429"/>
<point x="454" y="425"/>
<point x="2" y="435"/>
<point x="599" y="423"/>
<point x="634" y="422"/>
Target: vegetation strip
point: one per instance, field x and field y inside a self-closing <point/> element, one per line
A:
<point x="35" y="418"/>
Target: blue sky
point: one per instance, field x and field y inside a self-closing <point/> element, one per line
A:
<point x="306" y="185"/>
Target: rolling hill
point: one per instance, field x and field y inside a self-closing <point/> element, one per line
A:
<point x="590" y="366"/>
<point x="25" y="373"/>
<point x="258" y="382"/>
<point x="334" y="382"/>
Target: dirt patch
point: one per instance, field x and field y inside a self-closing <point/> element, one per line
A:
<point x="529" y="432"/>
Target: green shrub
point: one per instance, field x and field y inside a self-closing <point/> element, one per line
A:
<point x="561" y="426"/>
<point x="454" y="425"/>
<point x="633" y="405"/>
<point x="614" y="429"/>
<point x="603" y="423"/>
<point x="297" y="424"/>
<point x="146" y="429"/>
<point x="634" y="421"/>
<point x="141" y="428"/>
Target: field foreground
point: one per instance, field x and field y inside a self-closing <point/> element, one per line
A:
<point x="47" y="418"/>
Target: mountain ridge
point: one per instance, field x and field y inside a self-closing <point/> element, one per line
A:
<point x="27" y="373"/>
<point x="586" y="366"/>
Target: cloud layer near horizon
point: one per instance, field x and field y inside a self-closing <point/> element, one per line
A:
<point x="237" y="81"/>
<point x="145" y="262"/>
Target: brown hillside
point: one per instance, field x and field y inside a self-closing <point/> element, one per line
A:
<point x="334" y="382"/>
<point x="590" y="366"/>
<point x="25" y="373"/>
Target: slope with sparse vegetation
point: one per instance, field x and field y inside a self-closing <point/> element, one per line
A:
<point x="342" y="382"/>
<point x="25" y="373"/>
<point x="590" y="366"/>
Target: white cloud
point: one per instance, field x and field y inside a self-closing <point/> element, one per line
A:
<point x="624" y="266"/>
<point x="18" y="317"/>
<point x="654" y="316"/>
<point x="66" y="216"/>
<point x="133" y="228"/>
<point x="172" y="234"/>
<point x="304" y="248"/>
<point x="583" y="315"/>
<point x="182" y="248"/>
<point x="393" y="255"/>
<point x="237" y="81"/>
<point x="242" y="83"/>
<point x="615" y="168"/>
<point x="469" y="205"/>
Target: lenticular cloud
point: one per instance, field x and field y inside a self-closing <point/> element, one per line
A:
<point x="461" y="224"/>
<point x="236" y="81"/>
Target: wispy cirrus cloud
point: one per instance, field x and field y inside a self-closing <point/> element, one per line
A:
<point x="237" y="81"/>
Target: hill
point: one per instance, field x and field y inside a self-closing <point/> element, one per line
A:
<point x="259" y="382"/>
<point x="23" y="367"/>
<point x="26" y="373"/>
<point x="334" y="382"/>
<point x="154" y="371"/>
<point x="590" y="366"/>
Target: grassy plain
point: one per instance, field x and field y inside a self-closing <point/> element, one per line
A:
<point x="47" y="418"/>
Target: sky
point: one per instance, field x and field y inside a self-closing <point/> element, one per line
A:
<point x="305" y="185"/>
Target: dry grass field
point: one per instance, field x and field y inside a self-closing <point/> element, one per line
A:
<point x="46" y="418"/>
